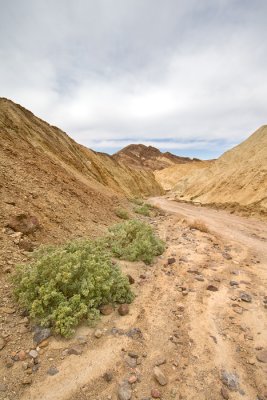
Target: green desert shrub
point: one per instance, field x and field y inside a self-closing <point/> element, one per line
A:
<point x="64" y="285"/>
<point x="122" y="213"/>
<point x="134" y="241"/>
<point x="143" y="210"/>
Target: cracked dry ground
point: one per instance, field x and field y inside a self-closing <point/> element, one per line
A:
<point x="194" y="333"/>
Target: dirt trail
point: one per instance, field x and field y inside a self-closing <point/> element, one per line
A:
<point x="198" y="333"/>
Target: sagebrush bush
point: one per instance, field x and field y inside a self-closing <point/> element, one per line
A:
<point x="134" y="241"/>
<point x="143" y="210"/>
<point x="122" y="213"/>
<point x="66" y="284"/>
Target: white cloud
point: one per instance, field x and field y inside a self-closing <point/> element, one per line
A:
<point x="114" y="72"/>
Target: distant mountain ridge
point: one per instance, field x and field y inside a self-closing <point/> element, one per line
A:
<point x="148" y="157"/>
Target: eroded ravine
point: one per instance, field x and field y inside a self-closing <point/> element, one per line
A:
<point x="198" y="332"/>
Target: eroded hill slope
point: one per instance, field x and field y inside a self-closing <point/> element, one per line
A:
<point x="168" y="177"/>
<point x="238" y="176"/>
<point x="71" y="189"/>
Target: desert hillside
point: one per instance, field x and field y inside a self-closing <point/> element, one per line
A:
<point x="72" y="190"/>
<point x="168" y="177"/>
<point x="238" y="176"/>
<point x="148" y="157"/>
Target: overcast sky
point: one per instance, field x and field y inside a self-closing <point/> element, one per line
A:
<point x="188" y="76"/>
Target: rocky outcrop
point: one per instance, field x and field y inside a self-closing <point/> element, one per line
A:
<point x="143" y="157"/>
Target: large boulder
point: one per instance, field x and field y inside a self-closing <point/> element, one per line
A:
<point x="24" y="223"/>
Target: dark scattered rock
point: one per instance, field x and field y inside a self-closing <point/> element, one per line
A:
<point x="35" y="367"/>
<point x="235" y="272"/>
<point x="52" y="371"/>
<point x="227" y="256"/>
<point x="156" y="394"/>
<point x="193" y="271"/>
<point x="106" y="309"/>
<point x="224" y="393"/>
<point x="14" y="356"/>
<point x="27" y="381"/>
<point x="132" y="354"/>
<point x="117" y="331"/>
<point x="134" y="333"/>
<point x="131" y="279"/>
<point x="131" y="362"/>
<point x="108" y="376"/>
<point x="160" y="361"/>
<point x="230" y="379"/>
<point x="123" y="309"/>
<point x="159" y="376"/>
<point x="9" y="362"/>
<point x="125" y="391"/>
<point x="26" y="245"/>
<point x="234" y="283"/>
<point x="76" y="350"/>
<point x="41" y="334"/>
<point x="2" y="343"/>
<point x="212" y="288"/>
<point x="262" y="356"/>
<point x="246" y="297"/>
<point x="200" y="278"/>
<point x="214" y="339"/>
<point x="24" y="223"/>
<point x="25" y="313"/>
<point x="171" y="260"/>
<point x="3" y="387"/>
<point x="82" y="340"/>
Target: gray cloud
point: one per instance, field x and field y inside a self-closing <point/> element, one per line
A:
<point x="111" y="72"/>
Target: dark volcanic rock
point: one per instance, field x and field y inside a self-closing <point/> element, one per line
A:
<point x="212" y="288"/>
<point x="41" y="334"/>
<point x="106" y="309"/>
<point x="123" y="309"/>
<point x="24" y="223"/>
<point x="230" y="379"/>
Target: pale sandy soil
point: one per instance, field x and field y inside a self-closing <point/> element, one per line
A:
<point x="198" y="332"/>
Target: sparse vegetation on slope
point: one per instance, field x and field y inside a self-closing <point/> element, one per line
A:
<point x="122" y="213"/>
<point x="143" y="210"/>
<point x="65" y="285"/>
